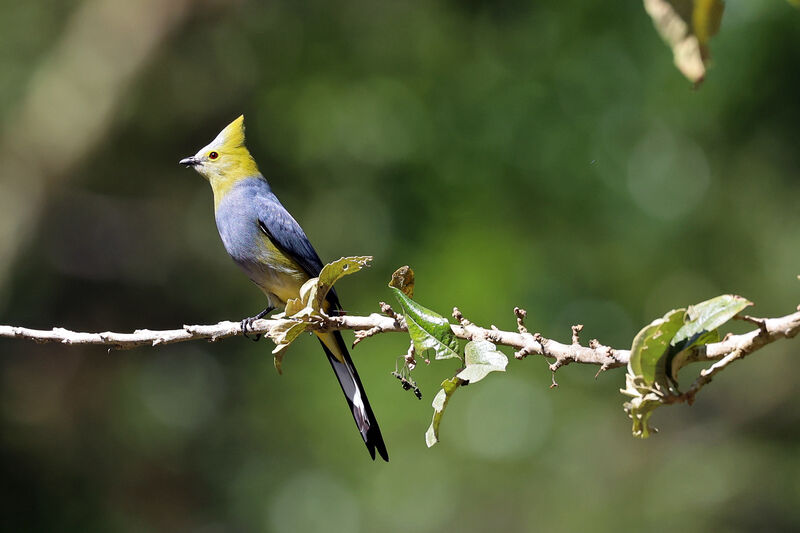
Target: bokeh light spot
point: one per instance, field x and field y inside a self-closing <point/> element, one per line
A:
<point x="667" y="175"/>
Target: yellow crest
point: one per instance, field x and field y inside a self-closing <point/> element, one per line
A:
<point x="231" y="137"/>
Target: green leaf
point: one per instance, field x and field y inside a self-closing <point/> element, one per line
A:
<point x="644" y="400"/>
<point x="687" y="27"/>
<point x="439" y="404"/>
<point x="650" y="346"/>
<point x="661" y="348"/>
<point x="428" y="329"/>
<point x="700" y="327"/>
<point x="708" y="316"/>
<point x="481" y="357"/>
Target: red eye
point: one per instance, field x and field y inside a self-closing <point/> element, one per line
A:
<point x="213" y="155"/>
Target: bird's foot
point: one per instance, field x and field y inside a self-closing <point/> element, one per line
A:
<point x="247" y="323"/>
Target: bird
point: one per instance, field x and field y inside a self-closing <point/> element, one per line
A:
<point x="265" y="240"/>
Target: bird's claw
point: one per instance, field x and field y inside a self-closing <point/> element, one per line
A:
<point x="247" y="323"/>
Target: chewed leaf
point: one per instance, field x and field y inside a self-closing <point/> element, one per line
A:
<point x="403" y="279"/>
<point x="482" y="357"/>
<point x="439" y="404"/>
<point x="313" y="292"/>
<point x="293" y="321"/>
<point x="333" y="272"/>
<point x="428" y="329"/>
<point x="649" y="349"/>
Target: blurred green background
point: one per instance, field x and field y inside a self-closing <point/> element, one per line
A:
<point x="546" y="155"/>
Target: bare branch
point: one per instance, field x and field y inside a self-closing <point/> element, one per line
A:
<point x="734" y="347"/>
<point x="729" y="349"/>
<point x="378" y="328"/>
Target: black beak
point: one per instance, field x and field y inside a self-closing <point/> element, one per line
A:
<point x="189" y="162"/>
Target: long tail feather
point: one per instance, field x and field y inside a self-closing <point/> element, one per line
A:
<point x="342" y="365"/>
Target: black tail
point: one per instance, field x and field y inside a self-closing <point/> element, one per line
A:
<point x="356" y="398"/>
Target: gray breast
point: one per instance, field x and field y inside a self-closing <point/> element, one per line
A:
<point x="237" y="222"/>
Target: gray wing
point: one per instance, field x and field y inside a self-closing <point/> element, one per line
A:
<point x="286" y="234"/>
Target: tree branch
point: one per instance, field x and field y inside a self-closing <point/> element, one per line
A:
<point x="729" y="349"/>
<point x="735" y="347"/>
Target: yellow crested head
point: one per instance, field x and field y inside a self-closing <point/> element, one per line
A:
<point x="225" y="160"/>
<point x="232" y="136"/>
